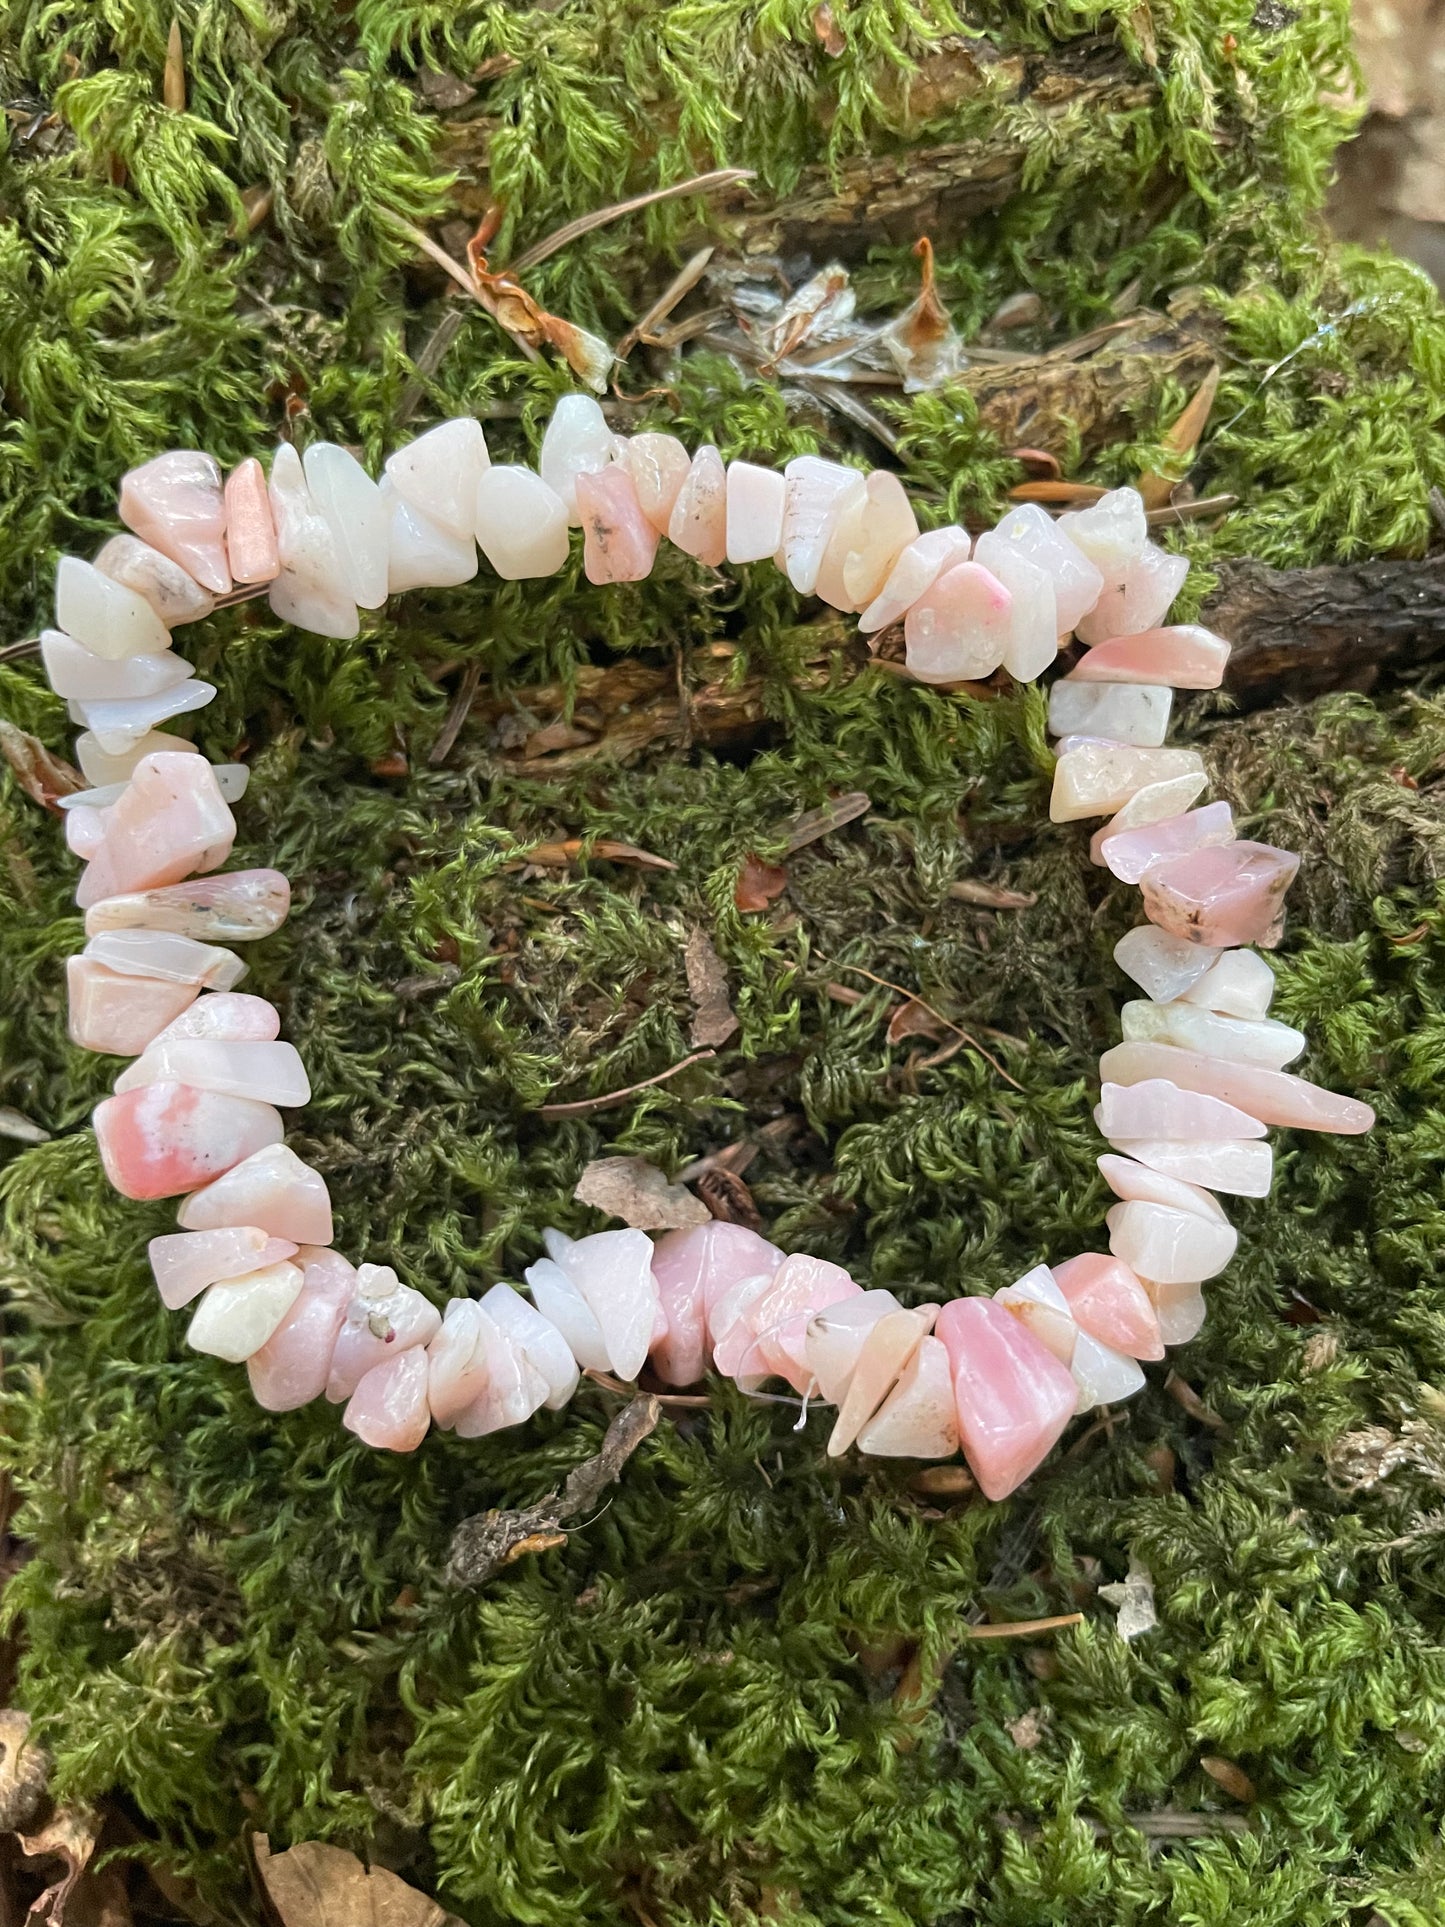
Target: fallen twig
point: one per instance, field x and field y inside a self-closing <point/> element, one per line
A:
<point x="485" y="1543"/>
<point x="579" y="1107"/>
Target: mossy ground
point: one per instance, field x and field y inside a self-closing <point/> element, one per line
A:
<point x="702" y="1710"/>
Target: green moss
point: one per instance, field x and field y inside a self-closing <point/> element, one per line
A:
<point x="688" y="1714"/>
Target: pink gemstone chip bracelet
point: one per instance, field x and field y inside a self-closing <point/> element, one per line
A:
<point x="1186" y="1096"/>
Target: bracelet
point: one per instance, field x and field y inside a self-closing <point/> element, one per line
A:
<point x="1186" y="1097"/>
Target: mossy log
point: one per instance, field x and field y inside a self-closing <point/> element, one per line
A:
<point x="844" y="209"/>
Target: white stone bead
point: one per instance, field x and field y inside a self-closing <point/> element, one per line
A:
<point x="754" y="512"/>
<point x="174" y="595"/>
<point x="698" y="523"/>
<point x="351" y="505"/>
<point x="521" y="523"/>
<point x="539" y="1340"/>
<point x="1164" y="967"/>
<point x="119" y="726"/>
<point x="437" y="475"/>
<point x="835" y="1338"/>
<point x="236" y="1318"/>
<point x="270" y="1073"/>
<point x="1242" y="1166"/>
<point x="818" y="492"/>
<point x="311" y="590"/>
<point x="163" y="953"/>
<point x="1138" y="600"/>
<point x="104" y="615"/>
<point x="1031" y="532"/>
<point x="1121" y="711"/>
<point x="563" y="1305"/>
<point x="1103" y="1376"/>
<point x="1036" y="1301"/>
<point x="919" y="1417"/>
<point x="1179" y="1309"/>
<point x="1033" y="639"/>
<point x="1097" y="779"/>
<point x="613" y="1271"/>
<point x="577" y="442"/>
<point x="914" y="573"/>
<point x="99" y="766"/>
<point x="1111" y="533"/>
<point x="1170" y="1247"/>
<point x="231" y="781"/>
<point x="867" y="540"/>
<point x="1130" y="1181"/>
<point x="1239" y="1040"/>
<point x="1240" y="984"/>
<point x="78" y="673"/>
<point x="420" y="553"/>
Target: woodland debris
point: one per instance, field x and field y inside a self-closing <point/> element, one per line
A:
<point x="1028" y="1729"/>
<point x="482" y="1545"/>
<point x="991" y="896"/>
<point x="727" y="1198"/>
<point x="680" y="286"/>
<point x="813" y="824"/>
<point x="173" y="80"/>
<point x="1134" y="1597"/>
<point x="707" y="984"/>
<point x="1235" y="1781"/>
<point x="314" y="1884"/>
<point x="24" y="1772"/>
<point x="1184" y="1394"/>
<point x="42" y="775"/>
<point x="1180" y="441"/>
<point x="915" y="1019"/>
<point x="1013" y="1628"/>
<point x="635" y="1191"/>
<point x="584" y="1106"/>
<point x="15" y="1124"/>
<point x="457" y="714"/>
<point x="758" y="884"/>
<point x="922" y="342"/>
<point x="559" y="855"/>
<point x="69" y="1835"/>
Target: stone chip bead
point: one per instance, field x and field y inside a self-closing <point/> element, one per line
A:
<point x="1238" y="984"/>
<point x="868" y="537"/>
<point x="1030" y="532"/>
<point x="159" y="953"/>
<point x="658" y="465"/>
<point x="251" y="550"/>
<point x="692" y="1270"/>
<point x="1156" y="1108"/>
<point x="919" y="1417"/>
<point x="353" y="508"/>
<point x="270" y="1073"/>
<point x="77" y="672"/>
<point x="230" y="1016"/>
<point x="101" y="768"/>
<point x="168" y="1138"/>
<point x="1164" y="967"/>
<point x="1107" y="1300"/>
<point x="271" y="1188"/>
<point x="958" y="630"/>
<point x="1274" y="1097"/>
<point x="1098" y="778"/>
<point x="183" y="1263"/>
<point x="119" y="726"/>
<point x="175" y="503"/>
<point x="1171" y="1247"/>
<point x="291" y="1368"/>
<point x="1013" y="1396"/>
<point x="1155" y="803"/>
<point x="419" y="553"/>
<point x="1124" y="712"/>
<point x="1183" y="657"/>
<point x="239" y="1315"/>
<point x="577" y="441"/>
<point x="619" y="544"/>
<point x="104" y="615"/>
<point x="887" y="1350"/>
<point x="1242" y="1040"/>
<point x="698" y="523"/>
<point x="312" y="588"/>
<point x="1139" y="600"/>
<point x="1033" y="626"/>
<point x="383" y="1318"/>
<point x="754" y="516"/>
<point x="1131" y="854"/>
<point x="119" y="1014"/>
<point x="917" y="569"/>
<point x="236" y="907"/>
<point x="817" y="493"/>
<point x="389" y="1409"/>
<point x="437" y="474"/>
<point x="1243" y="1166"/>
<point x="174" y="595"/>
<point x="521" y="523"/>
<point x="1220" y="896"/>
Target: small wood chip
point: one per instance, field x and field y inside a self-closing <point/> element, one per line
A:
<point x="637" y="1192"/>
<point x="1235" y="1781"/>
<point x="991" y="896"/>
<point x="943" y="1482"/>
<point x="707" y="983"/>
<point x="727" y="1198"/>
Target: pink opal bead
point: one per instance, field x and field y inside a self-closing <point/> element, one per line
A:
<point x="658" y="465"/>
<point x="731" y="1329"/>
<point x="175" y="504"/>
<point x="1221" y="896"/>
<point x="1155" y="803"/>
<point x="170" y="820"/>
<point x="1014" y="1397"/>
<point x="1132" y="853"/>
<point x="183" y="1263"/>
<point x="385" y="1317"/>
<point x="1139" y="599"/>
<point x="120" y="1014"/>
<point x="229" y="1016"/>
<point x="291" y="1368"/>
<point x="1152" y="1107"/>
<point x="916" y="570"/>
<point x="1183" y="657"/>
<point x="613" y="1272"/>
<point x="755" y="499"/>
<point x="801" y="1287"/>
<point x="1171" y="1247"/>
<point x="958" y="630"/>
<point x="251" y="551"/>
<point x="817" y="494"/>
<point x="270" y="1073"/>
<point x="1108" y="1301"/>
<point x="698" y="523"/>
<point x="1274" y="1097"/>
<point x="389" y="1407"/>
<point x="1097" y="778"/>
<point x="618" y="542"/>
<point x="866" y="541"/>
<point x="693" y="1269"/>
<point x="167" y="1138"/>
<point x="273" y="1189"/>
<point x="457" y="1360"/>
<point x="235" y="908"/>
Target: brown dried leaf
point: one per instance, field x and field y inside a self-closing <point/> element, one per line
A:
<point x="758" y="884"/>
<point x="314" y="1884"/>
<point x="639" y="1194"/>
<point x="915" y="1020"/>
<point x="70" y="1834"/>
<point x="728" y="1198"/>
<point x="923" y="343"/>
<point x="43" y="777"/>
<point x="829" y="34"/>
<point x="707" y="984"/>
<point x="833" y="814"/>
<point x="1235" y="1781"/>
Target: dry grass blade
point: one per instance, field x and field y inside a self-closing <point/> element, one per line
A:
<point x="813" y="824"/>
<point x="457" y="715"/>
<point x="583" y="1106"/>
<point x="680" y="286"/>
<point x="173" y="81"/>
<point x="1190" y="511"/>
<point x="1181" y="440"/>
<point x="991" y="896"/>
<point x="585" y="223"/>
<point x="558" y="856"/>
<point x="420" y="239"/>
<point x="1018" y="1626"/>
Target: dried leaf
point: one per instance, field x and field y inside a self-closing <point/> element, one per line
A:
<point x="707" y="984"/>
<point x="1235" y="1781"/>
<point x="991" y="896"/>
<point x="821" y="310"/>
<point x="758" y="884"/>
<point x="1134" y="1598"/>
<point x="24" y="1771"/>
<point x="923" y="343"/>
<point x="1028" y="1729"/>
<point x="485" y="1543"/>
<point x="832" y="815"/>
<point x="558" y="856"/>
<point x="827" y="31"/>
<point x="43" y="777"/>
<point x="314" y="1884"/>
<point x="639" y="1194"/>
<point x="915" y="1020"/>
<point x="727" y="1198"/>
<point x="70" y="1834"/>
